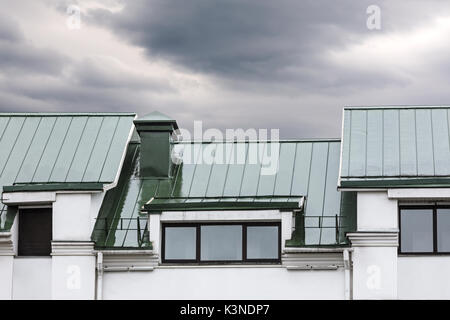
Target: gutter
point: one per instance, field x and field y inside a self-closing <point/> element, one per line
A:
<point x="99" y="284"/>
<point x="122" y="261"/>
<point x="347" y="273"/>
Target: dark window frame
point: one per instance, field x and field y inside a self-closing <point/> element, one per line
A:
<point x="434" y="208"/>
<point x="198" y="261"/>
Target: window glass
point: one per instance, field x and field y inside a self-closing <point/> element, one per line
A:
<point x="262" y="242"/>
<point x="221" y="242"/>
<point x="416" y="230"/>
<point x="180" y="243"/>
<point x="35" y="232"/>
<point x="443" y="230"/>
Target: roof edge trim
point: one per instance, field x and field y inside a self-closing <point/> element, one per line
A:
<point x="33" y="187"/>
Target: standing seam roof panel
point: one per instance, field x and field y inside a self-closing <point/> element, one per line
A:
<point x="68" y="149"/>
<point x="415" y="145"/>
<point x="102" y="145"/>
<point x="84" y="149"/>
<point x="36" y="150"/>
<point x="19" y="150"/>
<point x="56" y="148"/>
<point x="52" y="149"/>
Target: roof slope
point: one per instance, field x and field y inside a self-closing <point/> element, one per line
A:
<point x="306" y="168"/>
<point x="395" y="146"/>
<point x="42" y="150"/>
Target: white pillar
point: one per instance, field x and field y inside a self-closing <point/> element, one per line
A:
<point x="375" y="247"/>
<point x="73" y="270"/>
<point x="73" y="257"/>
<point x="155" y="232"/>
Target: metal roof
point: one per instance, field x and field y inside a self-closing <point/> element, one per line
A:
<point x="40" y="151"/>
<point x="395" y="147"/>
<point x="306" y="169"/>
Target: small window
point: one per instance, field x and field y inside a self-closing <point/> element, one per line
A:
<point x="221" y="243"/>
<point x="35" y="232"/>
<point x="425" y="229"/>
<point x="262" y="242"/>
<point x="443" y="229"/>
<point x="181" y="243"/>
<point x="417" y="230"/>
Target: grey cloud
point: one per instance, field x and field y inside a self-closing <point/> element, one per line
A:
<point x="51" y="81"/>
<point x="101" y="72"/>
<point x="264" y="41"/>
<point x="18" y="55"/>
<point x="262" y="63"/>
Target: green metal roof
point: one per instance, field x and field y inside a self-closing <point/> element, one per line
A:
<point x="43" y="151"/>
<point x="395" y="147"/>
<point x="306" y="169"/>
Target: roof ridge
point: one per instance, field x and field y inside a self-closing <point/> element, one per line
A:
<point x="260" y="141"/>
<point x="378" y="107"/>
<point x="64" y="114"/>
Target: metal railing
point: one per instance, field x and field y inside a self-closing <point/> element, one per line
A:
<point x="127" y="224"/>
<point x="335" y="222"/>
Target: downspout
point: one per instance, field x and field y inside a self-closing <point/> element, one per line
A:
<point x="347" y="275"/>
<point x="99" y="295"/>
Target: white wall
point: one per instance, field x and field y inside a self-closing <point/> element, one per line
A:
<point x="74" y="216"/>
<point x="73" y="277"/>
<point x="375" y="246"/>
<point x="32" y="278"/>
<point x="70" y="272"/>
<point x="6" y="270"/>
<point x="424" y="277"/>
<point x="376" y="211"/>
<point x="375" y="273"/>
<point x="224" y="283"/>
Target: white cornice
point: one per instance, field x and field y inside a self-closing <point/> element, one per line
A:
<point x="330" y="260"/>
<point x="373" y="239"/>
<point x="6" y="244"/>
<point x="72" y="248"/>
<point x="129" y="260"/>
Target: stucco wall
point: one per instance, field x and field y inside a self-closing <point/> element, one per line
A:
<point x="32" y="278"/>
<point x="376" y="211"/>
<point x="224" y="283"/>
<point x="424" y="277"/>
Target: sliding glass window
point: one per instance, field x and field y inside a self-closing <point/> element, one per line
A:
<point x="221" y="243"/>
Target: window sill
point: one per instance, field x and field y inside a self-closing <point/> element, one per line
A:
<point x="423" y="254"/>
<point x="203" y="266"/>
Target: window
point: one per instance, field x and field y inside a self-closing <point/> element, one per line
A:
<point x="221" y="243"/>
<point x="425" y="229"/>
<point x="35" y="232"/>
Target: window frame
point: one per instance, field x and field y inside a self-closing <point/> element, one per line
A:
<point x="198" y="261"/>
<point x="434" y="208"/>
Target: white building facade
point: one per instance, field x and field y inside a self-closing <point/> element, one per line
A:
<point x="111" y="206"/>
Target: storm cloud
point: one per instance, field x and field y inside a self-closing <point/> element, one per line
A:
<point x="284" y="64"/>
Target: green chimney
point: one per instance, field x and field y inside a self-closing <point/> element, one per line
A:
<point x="155" y="130"/>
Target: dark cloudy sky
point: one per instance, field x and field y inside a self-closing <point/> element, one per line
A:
<point x="286" y="64"/>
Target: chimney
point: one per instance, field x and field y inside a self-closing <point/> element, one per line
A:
<point x="155" y="130"/>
